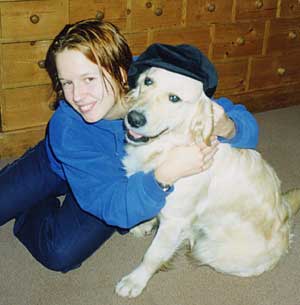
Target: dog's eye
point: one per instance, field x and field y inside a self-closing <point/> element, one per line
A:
<point x="148" y="81"/>
<point x="174" y="98"/>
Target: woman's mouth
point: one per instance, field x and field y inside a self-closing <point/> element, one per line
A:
<point x="86" y="108"/>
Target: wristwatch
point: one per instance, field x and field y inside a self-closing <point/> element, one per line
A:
<point x="164" y="187"/>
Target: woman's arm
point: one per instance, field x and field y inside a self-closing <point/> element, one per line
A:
<point x="91" y="162"/>
<point x="244" y="134"/>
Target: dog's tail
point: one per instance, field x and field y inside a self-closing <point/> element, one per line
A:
<point x="292" y="197"/>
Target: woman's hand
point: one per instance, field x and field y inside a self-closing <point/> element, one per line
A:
<point x="223" y="125"/>
<point x="185" y="161"/>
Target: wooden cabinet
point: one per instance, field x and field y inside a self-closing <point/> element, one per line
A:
<point x="289" y="8"/>
<point x="26" y="31"/>
<point x="232" y="75"/>
<point x="198" y="36"/>
<point x="238" y="39"/>
<point x="274" y="71"/>
<point x="256" y="9"/>
<point x="23" y="63"/>
<point x="26" y="107"/>
<point x="115" y="11"/>
<point x="254" y="44"/>
<point x="143" y="15"/>
<point x="284" y="35"/>
<point x="206" y="12"/>
<point x="32" y="20"/>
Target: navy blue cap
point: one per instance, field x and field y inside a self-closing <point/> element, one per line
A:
<point x="182" y="59"/>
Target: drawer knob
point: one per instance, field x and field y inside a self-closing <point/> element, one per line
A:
<point x="240" y="41"/>
<point x="259" y="4"/>
<point x="42" y="64"/>
<point x="280" y="71"/>
<point x="211" y="7"/>
<point x="292" y="35"/>
<point x="34" y="19"/>
<point x="99" y="15"/>
<point x="158" y="11"/>
<point x="52" y="106"/>
<point x="148" y="4"/>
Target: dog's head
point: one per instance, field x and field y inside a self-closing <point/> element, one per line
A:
<point x="167" y="102"/>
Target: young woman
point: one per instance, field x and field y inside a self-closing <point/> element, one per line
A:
<point x="81" y="155"/>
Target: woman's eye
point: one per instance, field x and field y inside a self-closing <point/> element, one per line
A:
<point x="89" y="79"/>
<point x="148" y="81"/>
<point x="174" y="98"/>
<point x="65" y="84"/>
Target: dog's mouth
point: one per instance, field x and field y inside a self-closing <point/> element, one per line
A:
<point x="136" y="137"/>
<point x="133" y="136"/>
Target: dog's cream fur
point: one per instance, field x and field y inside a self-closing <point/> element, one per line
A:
<point x="233" y="215"/>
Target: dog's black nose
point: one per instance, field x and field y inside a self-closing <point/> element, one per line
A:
<point x="136" y="119"/>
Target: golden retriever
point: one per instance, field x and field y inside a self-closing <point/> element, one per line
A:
<point x="233" y="215"/>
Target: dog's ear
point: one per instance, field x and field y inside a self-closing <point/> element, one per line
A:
<point x="203" y="121"/>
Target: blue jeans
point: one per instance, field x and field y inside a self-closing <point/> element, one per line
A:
<point x="59" y="236"/>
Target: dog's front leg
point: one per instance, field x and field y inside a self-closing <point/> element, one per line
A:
<point x="145" y="228"/>
<point x="163" y="247"/>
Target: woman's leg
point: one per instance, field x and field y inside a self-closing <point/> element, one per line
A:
<point x="27" y="182"/>
<point x="61" y="237"/>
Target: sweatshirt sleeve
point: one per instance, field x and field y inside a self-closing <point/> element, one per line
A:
<point x="246" y="135"/>
<point x="98" y="180"/>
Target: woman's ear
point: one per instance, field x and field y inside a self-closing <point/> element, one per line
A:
<point x="203" y="122"/>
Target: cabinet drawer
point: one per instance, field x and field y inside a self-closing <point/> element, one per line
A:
<point x="15" y="143"/>
<point x="232" y="75"/>
<point x="114" y="11"/>
<point x="144" y="14"/>
<point x="23" y="64"/>
<point x="276" y="70"/>
<point x="238" y="39"/>
<point x="30" y="20"/>
<point x="208" y="11"/>
<point x="284" y="35"/>
<point x="268" y="99"/>
<point x="25" y="107"/>
<point x="290" y="8"/>
<point x="256" y="9"/>
<point x="197" y="36"/>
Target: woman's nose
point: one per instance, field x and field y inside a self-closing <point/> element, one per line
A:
<point x="78" y="92"/>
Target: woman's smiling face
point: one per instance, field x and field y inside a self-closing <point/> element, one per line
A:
<point x="84" y="85"/>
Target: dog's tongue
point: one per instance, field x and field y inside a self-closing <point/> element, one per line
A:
<point x="134" y="134"/>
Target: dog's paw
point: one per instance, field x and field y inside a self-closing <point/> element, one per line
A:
<point x="129" y="287"/>
<point x="141" y="231"/>
<point x="144" y="229"/>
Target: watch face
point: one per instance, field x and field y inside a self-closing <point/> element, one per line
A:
<point x="164" y="187"/>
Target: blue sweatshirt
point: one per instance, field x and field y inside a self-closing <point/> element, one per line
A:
<point x="89" y="156"/>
